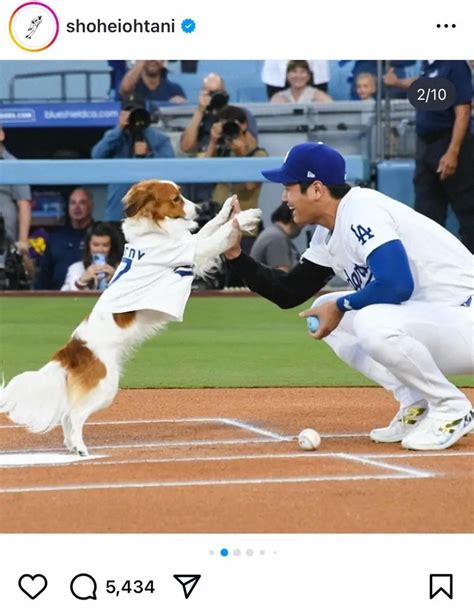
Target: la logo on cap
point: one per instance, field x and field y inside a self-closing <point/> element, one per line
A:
<point x="310" y="175"/>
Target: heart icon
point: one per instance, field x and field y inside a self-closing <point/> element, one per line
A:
<point x="32" y="585"/>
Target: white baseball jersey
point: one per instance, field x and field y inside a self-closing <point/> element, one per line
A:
<point x="442" y="268"/>
<point x="156" y="273"/>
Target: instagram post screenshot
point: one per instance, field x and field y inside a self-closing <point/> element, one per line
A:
<point x="236" y="305"/>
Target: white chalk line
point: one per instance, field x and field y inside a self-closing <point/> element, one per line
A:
<point x="268" y="437"/>
<point x="157" y="445"/>
<point x="31" y="460"/>
<point x="250" y="428"/>
<point x="95" y="460"/>
<point x="416" y="454"/>
<point x="378" y="463"/>
<point x="241" y="441"/>
<point x="201" y="483"/>
<point x="224" y="420"/>
<point x="126" y="422"/>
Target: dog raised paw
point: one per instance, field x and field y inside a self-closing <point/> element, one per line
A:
<point x="249" y="219"/>
<point x="226" y="210"/>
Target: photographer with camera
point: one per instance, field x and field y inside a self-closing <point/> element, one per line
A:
<point x="230" y="137"/>
<point x="15" y="221"/>
<point x="133" y="138"/>
<point x="195" y="139"/>
<point x="212" y="99"/>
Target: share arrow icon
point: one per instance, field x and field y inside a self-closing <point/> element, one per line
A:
<point x="188" y="582"/>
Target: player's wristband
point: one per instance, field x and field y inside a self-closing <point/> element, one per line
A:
<point x="344" y="304"/>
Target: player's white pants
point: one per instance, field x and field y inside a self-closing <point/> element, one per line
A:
<point x="408" y="349"/>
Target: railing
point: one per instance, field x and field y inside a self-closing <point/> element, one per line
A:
<point x="110" y="171"/>
<point x="62" y="74"/>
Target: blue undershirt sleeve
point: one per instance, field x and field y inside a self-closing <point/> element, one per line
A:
<point x="392" y="279"/>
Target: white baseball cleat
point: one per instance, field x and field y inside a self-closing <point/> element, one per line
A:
<point x="433" y="434"/>
<point x="402" y="424"/>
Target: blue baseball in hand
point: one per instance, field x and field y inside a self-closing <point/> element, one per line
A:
<point x="313" y="323"/>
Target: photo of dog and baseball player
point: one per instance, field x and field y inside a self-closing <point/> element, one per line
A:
<point x="250" y="197"/>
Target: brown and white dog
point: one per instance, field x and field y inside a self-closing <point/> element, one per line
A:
<point x="83" y="376"/>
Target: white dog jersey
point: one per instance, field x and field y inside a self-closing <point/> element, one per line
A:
<point x="156" y="273"/>
<point x="442" y="268"/>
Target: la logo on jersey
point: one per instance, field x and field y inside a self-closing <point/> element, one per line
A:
<point x="34" y="26"/>
<point x="363" y="234"/>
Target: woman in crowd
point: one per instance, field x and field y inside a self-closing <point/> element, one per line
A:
<point x="102" y="254"/>
<point x="298" y="75"/>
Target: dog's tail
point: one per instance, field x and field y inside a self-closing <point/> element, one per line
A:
<point x="36" y="399"/>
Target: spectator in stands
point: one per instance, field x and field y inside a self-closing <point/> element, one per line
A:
<point x="366" y="86"/>
<point x="299" y="77"/>
<point x="148" y="80"/>
<point x="126" y="142"/>
<point x="66" y="245"/>
<point x="118" y="69"/>
<point x="273" y="247"/>
<point x="102" y="242"/>
<point x="370" y="66"/>
<point x="195" y="139"/>
<point x="444" y="173"/>
<point x="15" y="207"/>
<point x="274" y="74"/>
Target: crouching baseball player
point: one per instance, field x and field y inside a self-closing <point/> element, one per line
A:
<point x="408" y="319"/>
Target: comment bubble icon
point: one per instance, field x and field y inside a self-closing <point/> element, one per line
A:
<point x="83" y="586"/>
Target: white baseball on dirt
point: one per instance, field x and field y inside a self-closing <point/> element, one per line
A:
<point x="309" y="439"/>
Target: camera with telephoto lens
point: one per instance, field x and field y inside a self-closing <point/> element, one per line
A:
<point x="219" y="99"/>
<point x="230" y="131"/>
<point x="12" y="272"/>
<point x="138" y="119"/>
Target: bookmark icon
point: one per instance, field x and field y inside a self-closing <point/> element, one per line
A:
<point x="441" y="583"/>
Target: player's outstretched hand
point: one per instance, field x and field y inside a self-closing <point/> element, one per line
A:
<point x="235" y="206"/>
<point x="329" y="318"/>
<point x="235" y="237"/>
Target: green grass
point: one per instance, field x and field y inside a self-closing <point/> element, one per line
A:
<point x="223" y="342"/>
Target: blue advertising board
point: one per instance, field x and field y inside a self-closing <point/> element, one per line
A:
<point x="96" y="114"/>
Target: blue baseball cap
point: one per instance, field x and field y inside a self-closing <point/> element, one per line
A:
<point x="309" y="162"/>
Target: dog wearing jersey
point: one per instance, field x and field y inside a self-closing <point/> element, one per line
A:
<point x="150" y="288"/>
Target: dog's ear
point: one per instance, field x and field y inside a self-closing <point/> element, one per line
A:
<point x="154" y="200"/>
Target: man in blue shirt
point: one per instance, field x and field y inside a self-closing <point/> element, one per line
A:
<point x="119" y="143"/>
<point x="444" y="172"/>
<point x="149" y="81"/>
<point x="65" y="246"/>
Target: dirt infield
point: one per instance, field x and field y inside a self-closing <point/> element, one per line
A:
<point x="226" y="461"/>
